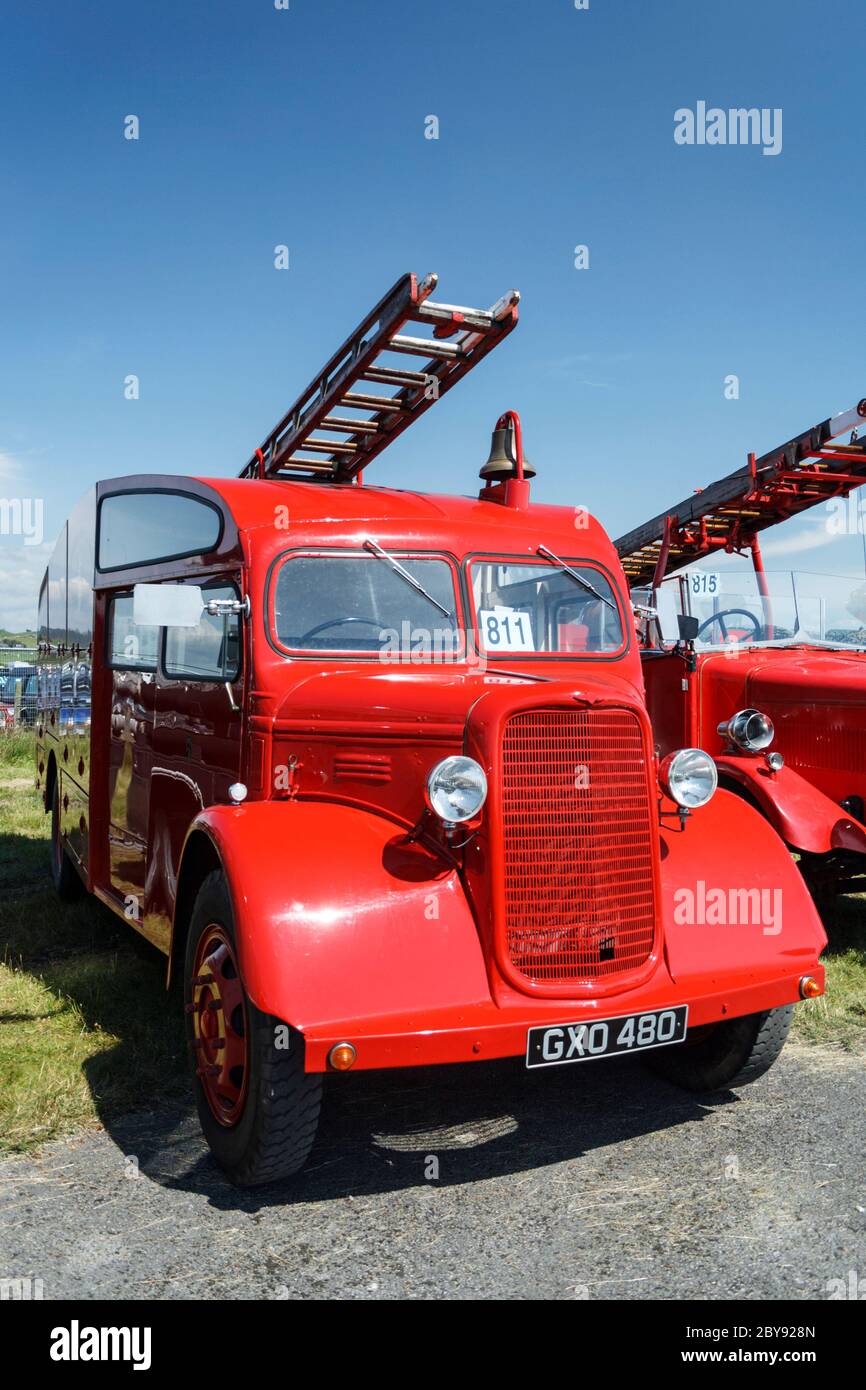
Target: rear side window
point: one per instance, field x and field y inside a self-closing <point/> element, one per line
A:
<point x="210" y="651"/>
<point x="131" y="646"/>
<point x="139" y="528"/>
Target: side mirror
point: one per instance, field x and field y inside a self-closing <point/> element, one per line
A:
<point x="688" y="627"/>
<point x="167" y="605"/>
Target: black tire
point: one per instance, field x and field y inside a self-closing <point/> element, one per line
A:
<point x="728" y="1054"/>
<point x="63" y="873"/>
<point x="822" y="885"/>
<point x="274" y="1133"/>
<point x="824" y="893"/>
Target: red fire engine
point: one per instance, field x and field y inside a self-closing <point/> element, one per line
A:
<point x="374" y="769"/>
<point x="772" y="681"/>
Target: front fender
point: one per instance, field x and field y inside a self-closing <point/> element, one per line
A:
<point x="734" y="903"/>
<point x="337" y="917"/>
<point x="806" y="819"/>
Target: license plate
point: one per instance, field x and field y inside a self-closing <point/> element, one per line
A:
<point x="556" y="1044"/>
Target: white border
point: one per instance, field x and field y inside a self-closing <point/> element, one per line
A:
<point x="604" y="1056"/>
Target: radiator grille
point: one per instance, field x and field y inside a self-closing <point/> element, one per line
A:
<point x="579" y="900"/>
<point x="822" y="740"/>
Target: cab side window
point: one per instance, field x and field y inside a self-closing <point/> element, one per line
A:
<point x="211" y="651"/>
<point x="131" y="646"/>
<point x="139" y="528"/>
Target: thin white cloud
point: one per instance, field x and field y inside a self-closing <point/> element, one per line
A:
<point x="595" y="359"/>
<point x="21" y="570"/>
<point x="813" y="539"/>
<point x="10" y="468"/>
<point x="574" y="363"/>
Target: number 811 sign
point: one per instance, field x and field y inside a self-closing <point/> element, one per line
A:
<point x="505" y="630"/>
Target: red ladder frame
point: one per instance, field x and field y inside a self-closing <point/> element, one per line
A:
<point x="729" y="513"/>
<point x="461" y="337"/>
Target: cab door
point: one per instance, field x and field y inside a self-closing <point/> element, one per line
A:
<point x="198" y="739"/>
<point x="132" y="661"/>
<point x="671" y="694"/>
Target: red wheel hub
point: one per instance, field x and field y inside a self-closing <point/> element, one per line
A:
<point x="219" y="1017"/>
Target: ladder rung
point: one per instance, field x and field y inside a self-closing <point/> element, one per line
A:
<point x="479" y="319"/>
<point x="330" y="446"/>
<point x="425" y="347"/>
<point x="311" y="465"/>
<point x="338" y="422"/>
<point x="392" y="376"/>
<point x="364" y="402"/>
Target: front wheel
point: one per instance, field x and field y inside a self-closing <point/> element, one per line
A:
<point x="258" y="1108"/>
<point x="726" y="1054"/>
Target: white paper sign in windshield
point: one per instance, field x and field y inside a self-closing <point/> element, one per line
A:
<point x="702" y="582"/>
<point x="505" y="630"/>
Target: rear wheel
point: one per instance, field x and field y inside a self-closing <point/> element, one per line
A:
<point x="727" y="1054"/>
<point x="258" y="1108"/>
<point x="822" y="885"/>
<point x="66" y="879"/>
<point x="817" y="870"/>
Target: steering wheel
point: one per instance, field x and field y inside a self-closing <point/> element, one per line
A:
<point x="338" y="622"/>
<point x="730" y="613"/>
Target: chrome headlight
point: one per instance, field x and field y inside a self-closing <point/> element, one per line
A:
<point x="456" y="789"/>
<point x="689" y="777"/>
<point x="749" y="729"/>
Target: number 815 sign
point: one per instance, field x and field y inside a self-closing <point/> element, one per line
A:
<point x="701" y="583"/>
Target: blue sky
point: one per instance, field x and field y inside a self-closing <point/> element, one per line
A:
<point x="306" y="127"/>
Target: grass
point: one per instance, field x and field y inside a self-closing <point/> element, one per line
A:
<point x="87" y="1031"/>
<point x="839" y="1016"/>
<point x="16" y="752"/>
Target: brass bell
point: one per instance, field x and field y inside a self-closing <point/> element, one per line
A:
<point x="502" y="463"/>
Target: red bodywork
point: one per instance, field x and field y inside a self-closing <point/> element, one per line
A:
<point x="816" y="698"/>
<point x="816" y="702"/>
<point x="351" y="927"/>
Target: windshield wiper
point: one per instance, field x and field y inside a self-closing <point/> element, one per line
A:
<point x="404" y="574"/>
<point x="584" y="583"/>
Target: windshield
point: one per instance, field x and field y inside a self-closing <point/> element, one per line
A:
<point x="363" y="603"/>
<point x="527" y="606"/>
<point x="816" y="609"/>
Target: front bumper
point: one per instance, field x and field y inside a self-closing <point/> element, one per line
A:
<point x="487" y="1031"/>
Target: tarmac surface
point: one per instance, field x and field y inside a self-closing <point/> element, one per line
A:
<point x="592" y="1181"/>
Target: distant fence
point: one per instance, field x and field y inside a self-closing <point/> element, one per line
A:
<point x="18" y="687"/>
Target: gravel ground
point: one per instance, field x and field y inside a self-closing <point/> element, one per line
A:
<point x="596" y="1181"/>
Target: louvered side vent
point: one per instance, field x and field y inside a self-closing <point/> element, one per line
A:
<point x="362" y="767"/>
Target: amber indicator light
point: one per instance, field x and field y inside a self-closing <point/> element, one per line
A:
<point x="342" y="1057"/>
